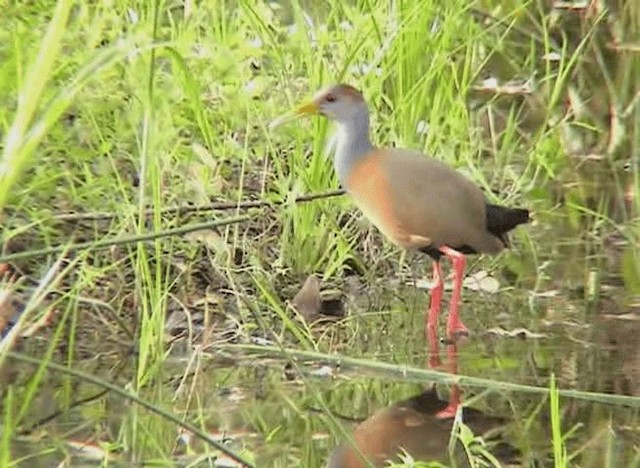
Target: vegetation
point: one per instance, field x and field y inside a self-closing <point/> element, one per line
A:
<point x="153" y="232"/>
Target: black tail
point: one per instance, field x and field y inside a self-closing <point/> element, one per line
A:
<point x="501" y="220"/>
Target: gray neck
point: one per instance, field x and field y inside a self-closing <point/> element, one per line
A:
<point x="352" y="143"/>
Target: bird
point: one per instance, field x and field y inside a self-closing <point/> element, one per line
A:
<point x="416" y="201"/>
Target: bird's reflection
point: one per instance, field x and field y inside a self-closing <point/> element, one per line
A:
<point x="451" y="366"/>
<point x="413" y="427"/>
<point x="420" y="426"/>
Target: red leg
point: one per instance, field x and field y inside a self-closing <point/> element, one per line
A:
<point x="432" y="319"/>
<point x="436" y="299"/>
<point x="456" y="394"/>
<point x="455" y="327"/>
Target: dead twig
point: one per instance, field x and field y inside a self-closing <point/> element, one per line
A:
<point x="105" y="243"/>
<point x="189" y="209"/>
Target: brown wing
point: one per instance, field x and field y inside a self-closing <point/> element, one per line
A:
<point x="417" y="201"/>
<point x="432" y="200"/>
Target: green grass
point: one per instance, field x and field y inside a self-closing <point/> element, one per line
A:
<point x="559" y="449"/>
<point x="131" y="108"/>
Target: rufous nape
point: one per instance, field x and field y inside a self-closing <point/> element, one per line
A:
<point x="416" y="201"/>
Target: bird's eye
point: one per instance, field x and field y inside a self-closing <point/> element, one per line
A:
<point x="330" y="98"/>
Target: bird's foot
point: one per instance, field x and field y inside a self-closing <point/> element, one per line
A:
<point x="456" y="330"/>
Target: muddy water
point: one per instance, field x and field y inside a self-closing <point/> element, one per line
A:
<point x="518" y="336"/>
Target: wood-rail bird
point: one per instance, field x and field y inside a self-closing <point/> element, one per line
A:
<point x="416" y="201"/>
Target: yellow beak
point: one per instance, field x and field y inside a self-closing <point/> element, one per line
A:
<point x="310" y="108"/>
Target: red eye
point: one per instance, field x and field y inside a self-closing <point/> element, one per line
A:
<point x="330" y="98"/>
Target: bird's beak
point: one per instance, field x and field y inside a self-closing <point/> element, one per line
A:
<point x="310" y="108"/>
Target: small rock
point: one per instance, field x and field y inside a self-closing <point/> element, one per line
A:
<point x="307" y="302"/>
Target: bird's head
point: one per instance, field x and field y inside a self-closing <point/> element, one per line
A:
<point x="340" y="103"/>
